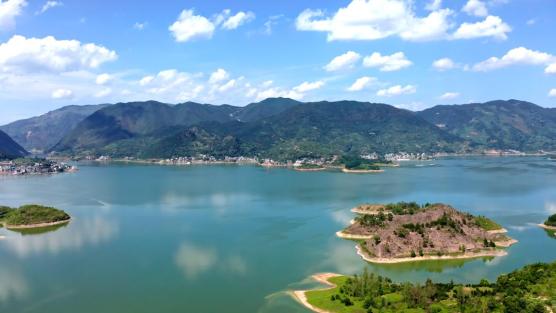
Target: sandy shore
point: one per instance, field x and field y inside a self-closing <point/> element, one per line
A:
<point x="310" y="169"/>
<point x="341" y="234"/>
<point x="301" y="297"/>
<point x="37" y="225"/>
<point x="498" y="231"/>
<point x="361" y="171"/>
<point x="492" y="253"/>
<point x="547" y="227"/>
<point x="506" y="243"/>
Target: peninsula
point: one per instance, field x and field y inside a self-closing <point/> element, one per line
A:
<point x="32" y="216"/>
<point x="550" y="223"/>
<point x="405" y="232"/>
<point x="529" y="289"/>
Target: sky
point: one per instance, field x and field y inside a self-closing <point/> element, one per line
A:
<point x="411" y="54"/>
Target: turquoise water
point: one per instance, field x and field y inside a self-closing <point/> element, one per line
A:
<point x="234" y="238"/>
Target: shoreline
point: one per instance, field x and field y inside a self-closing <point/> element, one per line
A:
<point x="345" y="170"/>
<point x="39" y="225"/>
<point x="497" y="231"/>
<point x="301" y="297"/>
<point x="343" y="235"/>
<point x="310" y="169"/>
<point x="547" y="227"/>
<point x="493" y="253"/>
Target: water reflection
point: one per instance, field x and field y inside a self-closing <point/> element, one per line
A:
<point x="38" y="231"/>
<point x="78" y="233"/>
<point x="195" y="260"/>
<point x="12" y="283"/>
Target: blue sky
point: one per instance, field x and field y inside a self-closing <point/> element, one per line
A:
<point x="411" y="54"/>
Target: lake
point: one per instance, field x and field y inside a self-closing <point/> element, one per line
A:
<point x="236" y="238"/>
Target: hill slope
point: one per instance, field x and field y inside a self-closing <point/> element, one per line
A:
<point x="9" y="149"/>
<point x="295" y="130"/>
<point x="44" y="131"/>
<point x="511" y="124"/>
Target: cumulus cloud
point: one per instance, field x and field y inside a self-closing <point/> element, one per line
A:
<point x="475" y="8"/>
<point x="342" y="62"/>
<point x="189" y="26"/>
<point x="62" y="94"/>
<point x="20" y="54"/>
<point x="103" y="93"/>
<point x="552" y="92"/>
<point x="308" y="86"/>
<point x="444" y="64"/>
<point x="387" y="63"/>
<point x="520" y="55"/>
<point x="491" y="26"/>
<point x="103" y="79"/>
<point x="396" y="91"/>
<point x="9" y="10"/>
<point x="238" y="19"/>
<point x="218" y="76"/>
<point x="362" y="83"/>
<point x="449" y="96"/>
<point x="434" y="5"/>
<point x="550" y="69"/>
<point x="49" y="5"/>
<point x="377" y="19"/>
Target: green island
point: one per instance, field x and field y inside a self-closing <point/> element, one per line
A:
<point x="32" y="216"/>
<point x="407" y="231"/>
<point x="530" y="289"/>
<point x="550" y="223"/>
<point x="310" y="167"/>
<point x="356" y="164"/>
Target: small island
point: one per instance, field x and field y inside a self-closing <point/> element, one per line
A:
<point x="32" y="216"/>
<point x="530" y="289"/>
<point x="406" y="232"/>
<point x="550" y="223"/>
<point x="359" y="165"/>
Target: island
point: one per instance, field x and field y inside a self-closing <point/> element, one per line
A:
<point x="407" y="231"/>
<point x="550" y="223"/>
<point x="359" y="165"/>
<point x="530" y="289"/>
<point x="32" y="216"/>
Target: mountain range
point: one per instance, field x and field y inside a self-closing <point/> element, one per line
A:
<point x="283" y="128"/>
<point x="9" y="149"/>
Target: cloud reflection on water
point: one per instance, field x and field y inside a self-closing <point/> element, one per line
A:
<point x="78" y="233"/>
<point x="195" y="260"/>
<point x="12" y="283"/>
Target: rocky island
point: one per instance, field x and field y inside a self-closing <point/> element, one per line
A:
<point x="404" y="232"/>
<point x="32" y="216"/>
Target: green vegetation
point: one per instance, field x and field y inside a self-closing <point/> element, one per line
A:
<point x="530" y="289"/>
<point x="404" y="208"/>
<point x="309" y="166"/>
<point x="551" y="221"/>
<point x="32" y="214"/>
<point x="486" y="223"/>
<point x="358" y="164"/>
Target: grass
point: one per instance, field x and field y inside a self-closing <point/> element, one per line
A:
<point x="486" y="223"/>
<point x="31" y="214"/>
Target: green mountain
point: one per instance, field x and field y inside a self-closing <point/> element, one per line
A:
<point x="43" y="132"/>
<point x="151" y="129"/>
<point x="9" y="149"/>
<point x="511" y="124"/>
<point x="130" y="120"/>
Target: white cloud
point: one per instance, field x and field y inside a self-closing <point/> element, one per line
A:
<point x="189" y="26"/>
<point x="275" y="92"/>
<point x="475" y="8"/>
<point x="362" y="83"/>
<point x="342" y="62"/>
<point x="103" y="79"/>
<point x="449" y="96"/>
<point x="227" y="86"/>
<point x="387" y="63"/>
<point x="103" y="93"/>
<point x="146" y="80"/>
<point x="49" y="5"/>
<point x="62" y="94"/>
<point x="531" y="22"/>
<point x="444" y="64"/>
<point x="308" y="86"/>
<point x="550" y="69"/>
<point x="515" y="56"/>
<point x="20" y="54"/>
<point x="9" y="9"/>
<point x="377" y="19"/>
<point x="238" y="19"/>
<point x="397" y="90"/>
<point x="491" y="26"/>
<point x="140" y="26"/>
<point x="552" y="92"/>
<point x="218" y="76"/>
<point x="434" y="5"/>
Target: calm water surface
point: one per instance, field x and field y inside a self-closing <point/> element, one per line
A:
<point x="222" y="239"/>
